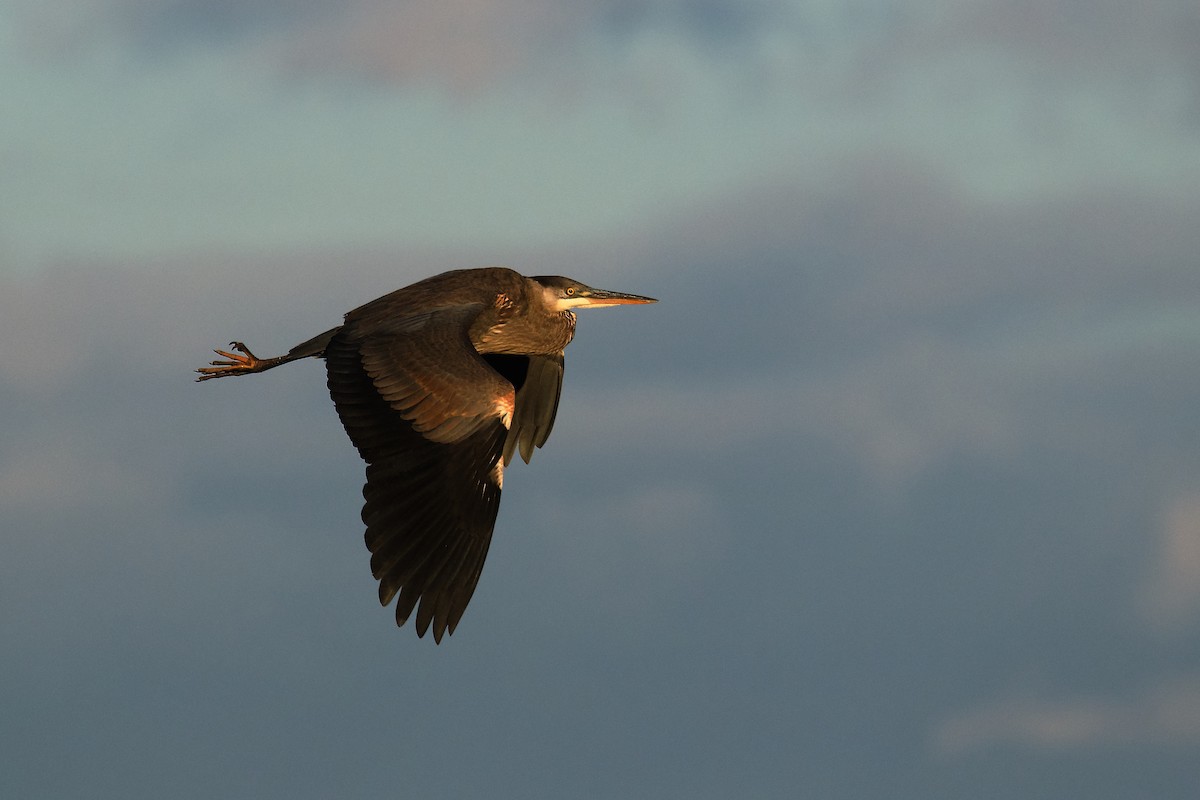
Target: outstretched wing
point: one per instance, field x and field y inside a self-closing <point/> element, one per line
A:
<point x="430" y="418"/>
<point x="535" y="407"/>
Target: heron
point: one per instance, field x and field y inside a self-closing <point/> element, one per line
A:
<point x="438" y="385"/>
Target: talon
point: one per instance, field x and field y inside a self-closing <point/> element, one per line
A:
<point x="240" y="362"/>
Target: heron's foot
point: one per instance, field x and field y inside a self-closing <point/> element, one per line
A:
<point x="241" y="362"/>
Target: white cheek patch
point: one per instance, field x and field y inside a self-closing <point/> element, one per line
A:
<point x="564" y="303"/>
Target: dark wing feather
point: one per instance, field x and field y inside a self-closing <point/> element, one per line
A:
<point x="430" y="505"/>
<point x="535" y="406"/>
<point x="426" y="368"/>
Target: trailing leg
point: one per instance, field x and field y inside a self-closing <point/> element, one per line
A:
<point x="241" y="362"/>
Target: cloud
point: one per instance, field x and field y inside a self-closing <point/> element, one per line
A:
<point x="1110" y="36"/>
<point x="234" y="124"/>
<point x="703" y="493"/>
<point x="1140" y="63"/>
<point x="907" y="323"/>
<point x="466" y="44"/>
<point x="1171" y="599"/>
<point x="897" y="416"/>
<point x="463" y="44"/>
<point x="884" y="311"/>
<point x="1166" y="714"/>
<point x="159" y="26"/>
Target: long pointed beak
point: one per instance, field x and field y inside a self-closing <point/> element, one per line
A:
<point x="598" y="298"/>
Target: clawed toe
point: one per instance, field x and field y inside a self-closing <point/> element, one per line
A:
<point x="240" y="362"/>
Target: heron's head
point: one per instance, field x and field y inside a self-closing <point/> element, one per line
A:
<point x="564" y="294"/>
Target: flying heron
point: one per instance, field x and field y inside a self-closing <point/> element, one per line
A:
<point x="438" y="384"/>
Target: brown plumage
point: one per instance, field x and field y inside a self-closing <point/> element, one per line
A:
<point x="437" y="385"/>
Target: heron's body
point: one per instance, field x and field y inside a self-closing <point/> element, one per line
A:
<point x="437" y="385"/>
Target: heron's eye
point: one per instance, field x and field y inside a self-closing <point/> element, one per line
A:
<point x="570" y="291"/>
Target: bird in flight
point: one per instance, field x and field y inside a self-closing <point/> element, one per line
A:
<point x="438" y="384"/>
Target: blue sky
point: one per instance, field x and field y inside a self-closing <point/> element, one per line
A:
<point x="894" y="493"/>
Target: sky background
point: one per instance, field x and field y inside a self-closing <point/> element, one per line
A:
<point x="895" y="494"/>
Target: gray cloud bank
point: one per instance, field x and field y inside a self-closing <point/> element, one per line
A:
<point x="471" y="44"/>
<point x="884" y="456"/>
